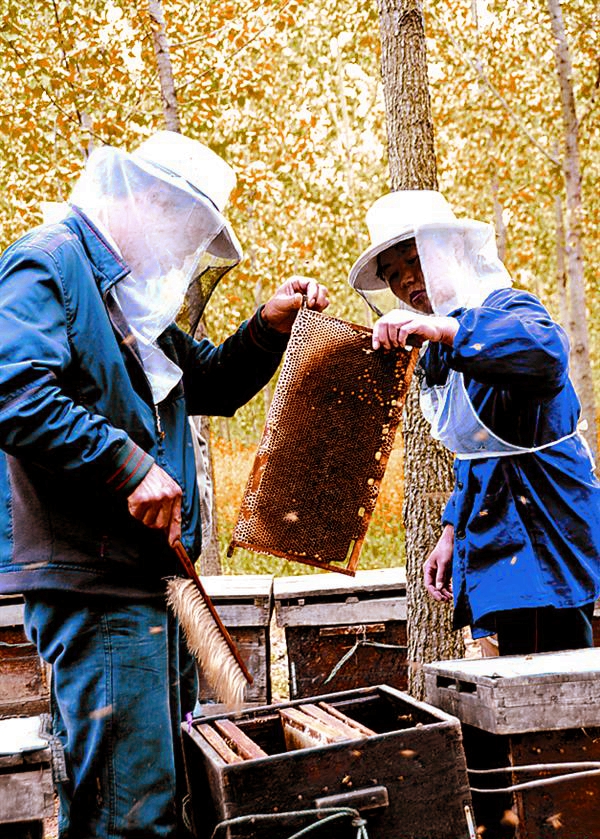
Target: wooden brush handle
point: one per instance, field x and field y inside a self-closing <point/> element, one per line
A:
<point x="188" y="567"/>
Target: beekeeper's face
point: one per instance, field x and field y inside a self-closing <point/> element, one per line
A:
<point x="400" y="268"/>
<point x="159" y="234"/>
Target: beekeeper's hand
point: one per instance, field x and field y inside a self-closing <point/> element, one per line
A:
<point x="394" y="329"/>
<point x="280" y="311"/>
<point x="437" y="570"/>
<point x="156" y="502"/>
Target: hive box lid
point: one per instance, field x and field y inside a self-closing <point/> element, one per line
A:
<point x="515" y="694"/>
<point x="12" y="609"/>
<point x="335" y="599"/>
<point x="241" y="599"/>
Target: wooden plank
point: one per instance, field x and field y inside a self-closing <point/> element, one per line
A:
<point x="26" y="796"/>
<point x="342" y="613"/>
<point x="239" y="741"/>
<point x="571" y="664"/>
<point x="246" y="586"/>
<point x="12" y="614"/>
<point x="219" y="745"/>
<point x="244" y="614"/>
<point x="317" y="585"/>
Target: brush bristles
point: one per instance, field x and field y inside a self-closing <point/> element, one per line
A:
<point x="206" y="642"/>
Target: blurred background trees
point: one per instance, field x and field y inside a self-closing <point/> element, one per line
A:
<point x="291" y="94"/>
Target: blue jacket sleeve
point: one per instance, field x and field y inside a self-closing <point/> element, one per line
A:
<point x="449" y="514"/>
<point x="512" y="342"/>
<point x="220" y="379"/>
<point x="39" y="422"/>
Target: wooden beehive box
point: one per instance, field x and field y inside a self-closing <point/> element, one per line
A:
<point x="326" y="615"/>
<point x="24" y="688"/>
<point x="513" y="694"/>
<point x="26" y="789"/>
<point x="533" y="711"/>
<point x="407" y="778"/>
<point x="596" y="624"/>
<point x="245" y="605"/>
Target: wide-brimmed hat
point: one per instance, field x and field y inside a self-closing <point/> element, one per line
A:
<point x="396" y="217"/>
<point x="189" y="165"/>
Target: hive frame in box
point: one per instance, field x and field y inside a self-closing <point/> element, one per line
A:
<point x="409" y="778"/>
<point x="326" y="442"/>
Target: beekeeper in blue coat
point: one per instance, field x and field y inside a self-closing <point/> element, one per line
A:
<point x="520" y="548"/>
<point x="96" y="385"/>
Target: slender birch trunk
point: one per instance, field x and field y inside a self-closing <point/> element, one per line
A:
<point x="210" y="560"/>
<point x="581" y="368"/>
<point x="164" y="66"/>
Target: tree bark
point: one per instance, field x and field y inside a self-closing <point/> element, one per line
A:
<point x="210" y="561"/>
<point x="561" y="267"/>
<point x="164" y="66"/>
<point x="427" y="465"/>
<point x="581" y="367"/>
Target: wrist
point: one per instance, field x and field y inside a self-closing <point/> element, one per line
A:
<point x="449" y="329"/>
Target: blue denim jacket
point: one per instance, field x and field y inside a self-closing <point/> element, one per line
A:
<point x="78" y="423"/>
<point x="526" y="527"/>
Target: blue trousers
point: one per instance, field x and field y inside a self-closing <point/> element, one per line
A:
<point x="118" y="699"/>
<point x="544" y="630"/>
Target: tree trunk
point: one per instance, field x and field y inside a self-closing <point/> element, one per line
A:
<point x="164" y="66"/>
<point x="210" y="561"/>
<point x="561" y="267"/>
<point x="427" y="465"/>
<point x="581" y="367"/>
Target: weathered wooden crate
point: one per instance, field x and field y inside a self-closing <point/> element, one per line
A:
<point x="24" y="688"/>
<point x="596" y="624"/>
<point x="329" y="616"/>
<point x="531" y="711"/>
<point x="408" y="779"/>
<point x="245" y="605"/>
<point x="26" y="789"/>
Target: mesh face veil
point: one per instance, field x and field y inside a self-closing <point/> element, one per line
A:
<point x="174" y="239"/>
<point x="460" y="267"/>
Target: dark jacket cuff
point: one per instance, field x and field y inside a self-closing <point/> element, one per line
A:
<point x="265" y="336"/>
<point x="131" y="467"/>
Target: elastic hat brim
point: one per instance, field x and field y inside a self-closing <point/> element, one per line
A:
<point x="363" y="274"/>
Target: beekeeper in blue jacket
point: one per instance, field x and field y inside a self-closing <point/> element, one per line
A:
<point x="96" y="385"/>
<point x="520" y="547"/>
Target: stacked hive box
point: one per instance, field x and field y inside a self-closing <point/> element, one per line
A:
<point x="276" y="770"/>
<point x="533" y="711"/>
<point x="343" y="633"/>
<point x="245" y="605"/>
<point x="26" y="791"/>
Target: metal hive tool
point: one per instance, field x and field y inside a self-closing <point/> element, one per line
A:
<point x="325" y="445"/>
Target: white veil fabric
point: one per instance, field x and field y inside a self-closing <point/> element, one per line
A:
<point x="460" y="267"/>
<point x="169" y="233"/>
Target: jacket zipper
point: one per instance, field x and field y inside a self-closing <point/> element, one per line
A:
<point x="161" y="433"/>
